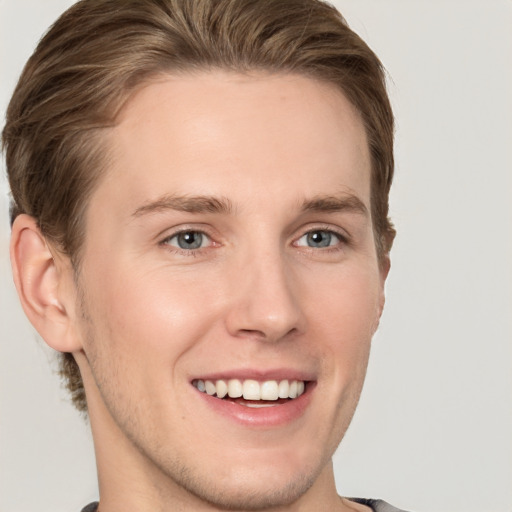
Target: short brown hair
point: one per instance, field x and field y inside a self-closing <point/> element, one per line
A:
<point x="100" y="51"/>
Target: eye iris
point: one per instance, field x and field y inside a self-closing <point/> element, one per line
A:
<point x="190" y="240"/>
<point x="319" y="239"/>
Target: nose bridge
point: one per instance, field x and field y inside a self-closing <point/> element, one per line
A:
<point x="263" y="300"/>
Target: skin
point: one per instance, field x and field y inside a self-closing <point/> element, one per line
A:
<point x="143" y="317"/>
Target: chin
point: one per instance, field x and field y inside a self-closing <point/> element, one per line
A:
<point x="251" y="491"/>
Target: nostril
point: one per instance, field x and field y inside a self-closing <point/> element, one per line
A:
<point x="252" y="333"/>
<point x="271" y="335"/>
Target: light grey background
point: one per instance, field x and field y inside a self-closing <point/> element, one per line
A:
<point x="434" y="427"/>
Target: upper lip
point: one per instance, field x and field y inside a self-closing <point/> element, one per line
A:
<point x="258" y="374"/>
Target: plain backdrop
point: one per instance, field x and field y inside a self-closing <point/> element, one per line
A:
<point x="434" y="427"/>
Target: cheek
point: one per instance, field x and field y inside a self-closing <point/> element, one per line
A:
<point x="150" y="315"/>
<point x="162" y="313"/>
<point x="137" y="329"/>
<point x="349" y="305"/>
<point x="345" y="319"/>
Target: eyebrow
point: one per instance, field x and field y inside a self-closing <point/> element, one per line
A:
<point x="189" y="204"/>
<point x="335" y="204"/>
<point x="213" y="204"/>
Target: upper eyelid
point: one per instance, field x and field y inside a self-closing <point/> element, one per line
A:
<point x="209" y="232"/>
<point x="342" y="233"/>
<point x="164" y="243"/>
<point x="341" y="240"/>
<point x="180" y="232"/>
<point x="168" y="233"/>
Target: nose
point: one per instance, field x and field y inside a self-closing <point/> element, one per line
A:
<point x="265" y="303"/>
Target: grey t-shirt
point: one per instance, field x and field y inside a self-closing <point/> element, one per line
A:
<point x="375" y="505"/>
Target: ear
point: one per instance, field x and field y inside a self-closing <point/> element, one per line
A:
<point x="45" y="285"/>
<point x="384" y="267"/>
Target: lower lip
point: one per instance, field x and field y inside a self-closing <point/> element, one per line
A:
<point x="261" y="417"/>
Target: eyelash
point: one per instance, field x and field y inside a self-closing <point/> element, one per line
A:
<point x="185" y="252"/>
<point x="343" y="240"/>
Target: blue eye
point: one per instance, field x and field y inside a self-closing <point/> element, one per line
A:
<point x="188" y="240"/>
<point x="319" y="238"/>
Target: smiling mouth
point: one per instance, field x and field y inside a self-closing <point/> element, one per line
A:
<point x="252" y="393"/>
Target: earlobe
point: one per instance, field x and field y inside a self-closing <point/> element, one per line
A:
<point x="40" y="282"/>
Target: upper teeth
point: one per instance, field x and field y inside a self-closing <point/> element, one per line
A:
<point x="252" y="389"/>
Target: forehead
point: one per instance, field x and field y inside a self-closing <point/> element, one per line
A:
<point x="206" y="133"/>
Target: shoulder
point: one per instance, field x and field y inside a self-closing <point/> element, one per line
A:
<point x="377" y="505"/>
<point x="92" y="507"/>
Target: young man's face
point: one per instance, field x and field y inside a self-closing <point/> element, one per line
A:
<point x="229" y="242"/>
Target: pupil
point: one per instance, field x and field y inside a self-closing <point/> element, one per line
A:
<point x="190" y="240"/>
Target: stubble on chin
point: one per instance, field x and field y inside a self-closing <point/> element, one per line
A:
<point x="236" y="495"/>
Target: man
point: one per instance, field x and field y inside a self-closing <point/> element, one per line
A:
<point x="200" y="199"/>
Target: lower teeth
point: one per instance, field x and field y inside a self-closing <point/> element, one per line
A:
<point x="257" y="406"/>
